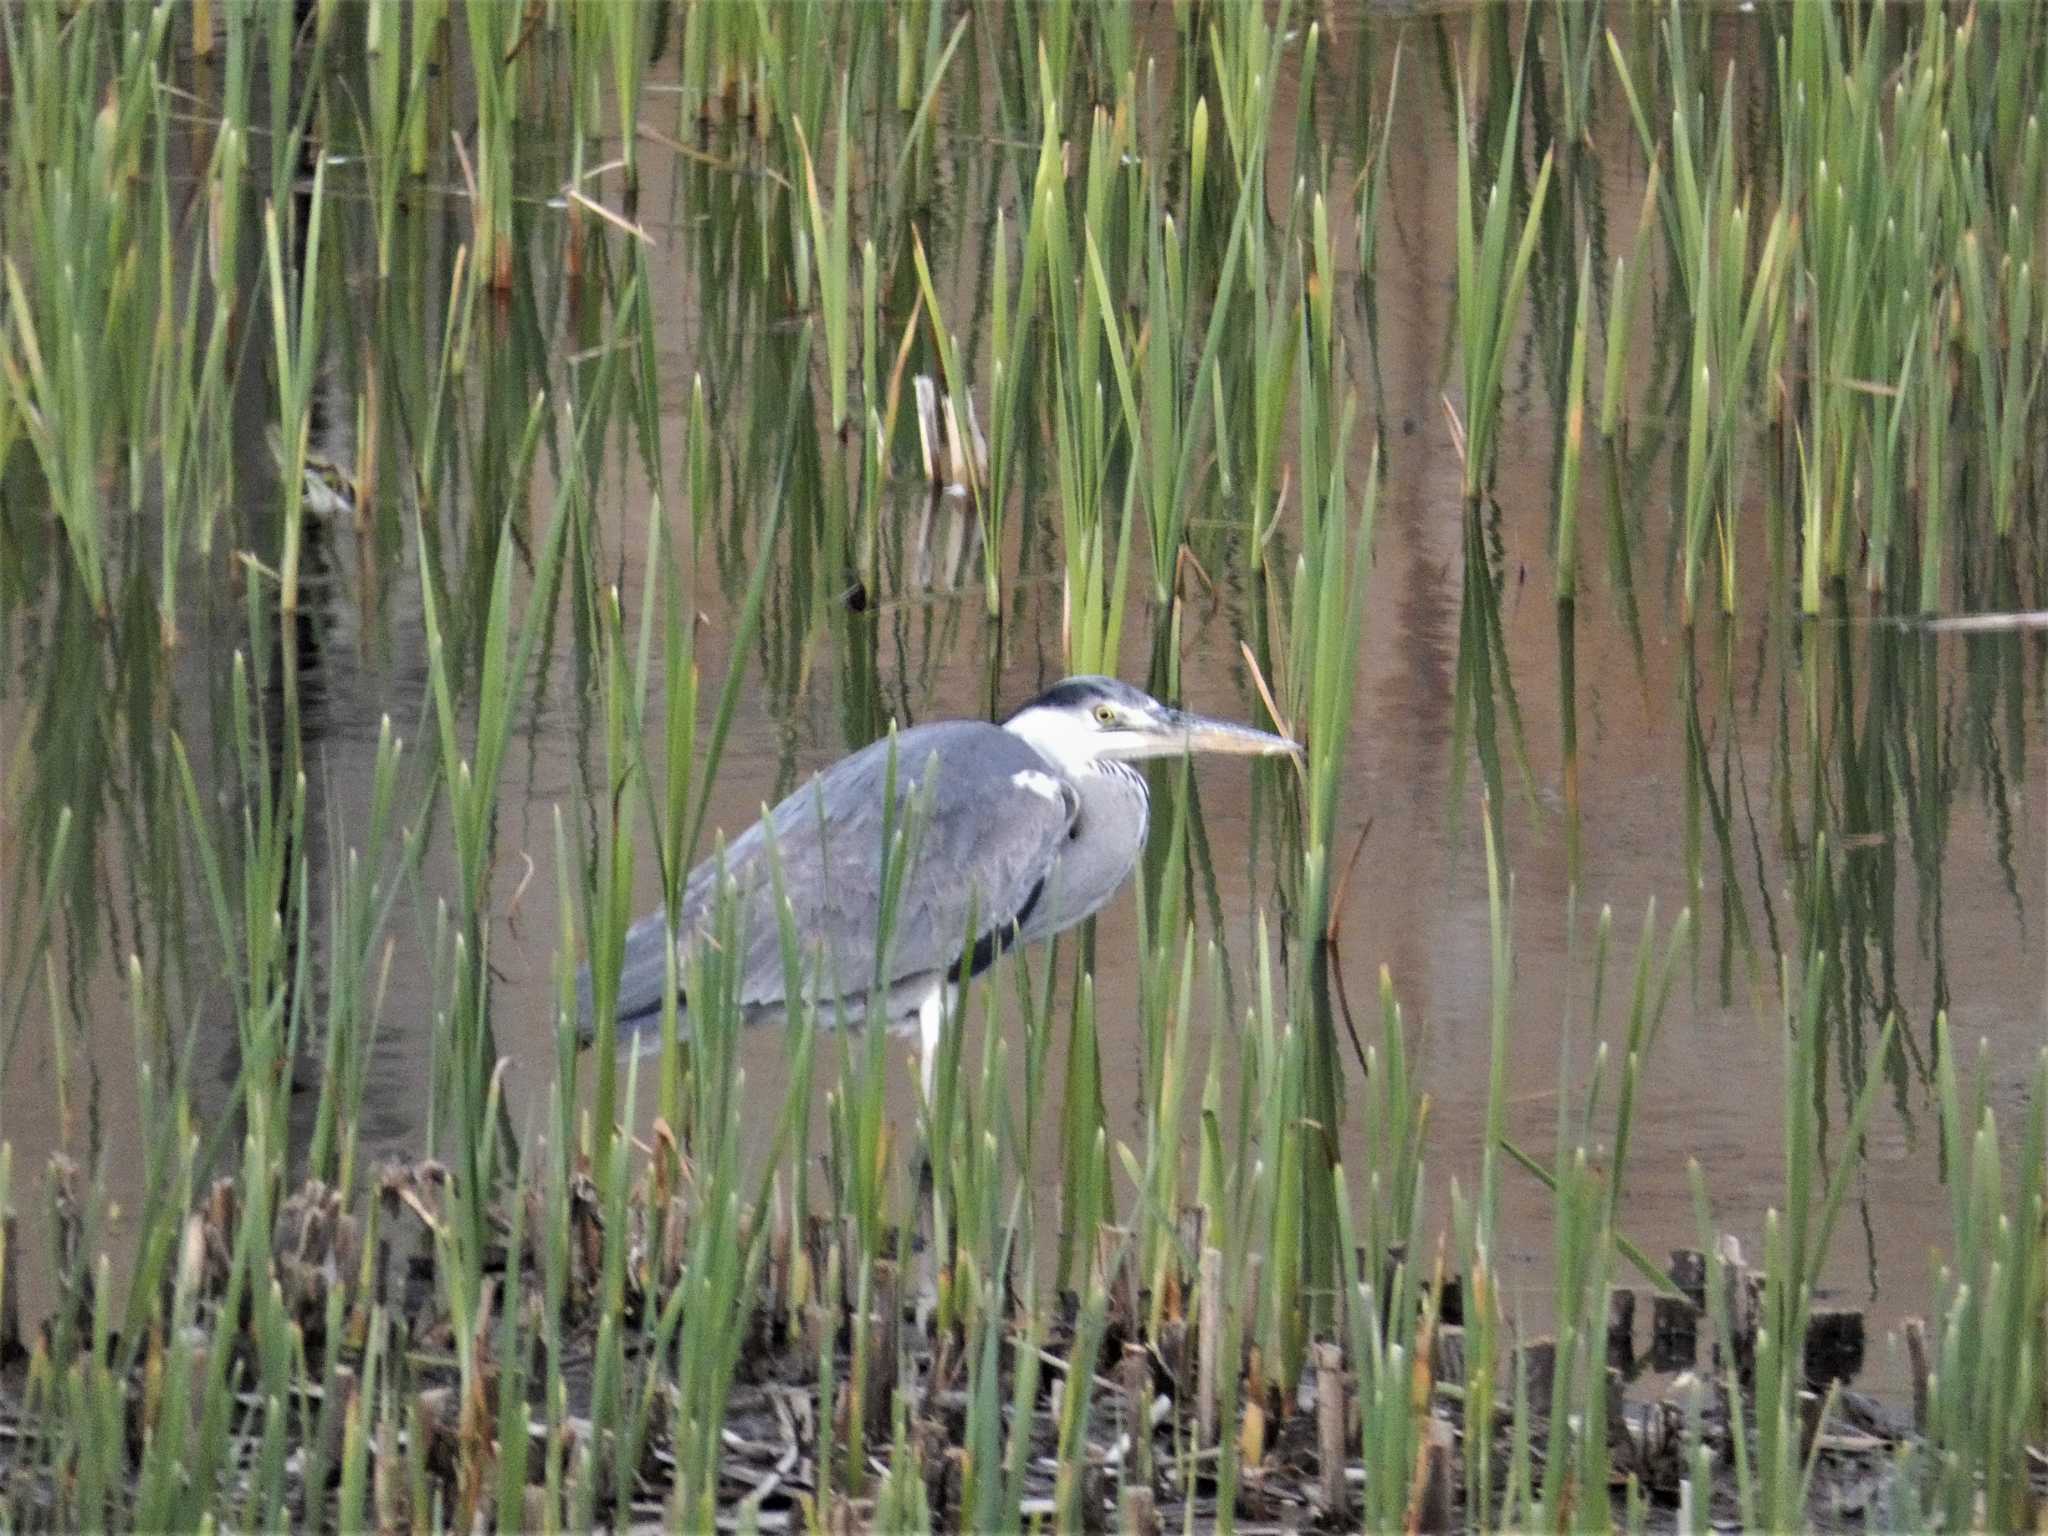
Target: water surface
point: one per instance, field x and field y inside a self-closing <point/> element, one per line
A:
<point x="1710" y="763"/>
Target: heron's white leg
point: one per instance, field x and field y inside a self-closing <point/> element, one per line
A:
<point x="931" y="1018"/>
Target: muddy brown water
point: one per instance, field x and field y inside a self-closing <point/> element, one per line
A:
<point x="1965" y="926"/>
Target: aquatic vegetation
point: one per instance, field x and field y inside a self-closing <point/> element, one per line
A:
<point x="436" y="440"/>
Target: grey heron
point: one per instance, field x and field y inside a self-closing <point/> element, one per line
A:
<point x="1026" y="828"/>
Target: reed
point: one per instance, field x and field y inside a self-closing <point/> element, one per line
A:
<point x="1493" y="269"/>
<point x="496" y="38"/>
<point x="1983" y="1385"/>
<point x="583" y="1299"/>
<point x="296" y="331"/>
<point x="80" y="236"/>
<point x="1775" y="1479"/>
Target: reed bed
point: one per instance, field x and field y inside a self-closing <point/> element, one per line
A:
<point x="1257" y="1307"/>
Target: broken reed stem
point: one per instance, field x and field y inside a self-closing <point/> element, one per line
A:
<point x="10" y="1290"/>
<point x="1621" y="1329"/>
<point x="885" y="1322"/>
<point x="1141" y="1512"/>
<point x="1330" y="1436"/>
<point x="1209" y="1345"/>
<point x="1135" y="1376"/>
<point x="1433" y="1497"/>
<point x="1916" y="1359"/>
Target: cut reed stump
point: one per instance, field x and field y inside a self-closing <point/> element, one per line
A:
<point x="1141" y="1513"/>
<point x="1094" y="1499"/>
<point x="1689" y="1274"/>
<point x="1654" y="1446"/>
<point x="1331" y="1414"/>
<point x="1810" y="1405"/>
<point x="1537" y="1363"/>
<point x="1675" y="1320"/>
<point x="883" y="1325"/>
<point x="1135" y="1376"/>
<point x="1434" y="1503"/>
<point x="332" y="1430"/>
<point x="10" y="1295"/>
<point x="1447" y="1354"/>
<point x="1621" y="1330"/>
<point x="1916" y="1358"/>
<point x="1744" y="1299"/>
<point x="1113" y="1260"/>
<point x="1674" y="1334"/>
<point x="1209" y="1345"/>
<point x="1834" y="1347"/>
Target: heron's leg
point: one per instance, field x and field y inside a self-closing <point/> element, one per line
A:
<point x="931" y="1018"/>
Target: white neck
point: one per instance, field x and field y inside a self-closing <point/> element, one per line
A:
<point x="1052" y="735"/>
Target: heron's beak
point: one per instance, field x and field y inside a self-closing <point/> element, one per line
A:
<point x="1200" y="733"/>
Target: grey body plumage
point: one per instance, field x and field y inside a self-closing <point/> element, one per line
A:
<point x="1019" y="830"/>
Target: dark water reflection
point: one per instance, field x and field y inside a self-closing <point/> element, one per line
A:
<point x="1850" y="784"/>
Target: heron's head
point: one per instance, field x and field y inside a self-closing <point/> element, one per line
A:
<point x="1089" y="720"/>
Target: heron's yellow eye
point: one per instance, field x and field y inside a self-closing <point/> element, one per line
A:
<point x="1105" y="714"/>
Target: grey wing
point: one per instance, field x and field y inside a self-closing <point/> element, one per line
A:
<point x="984" y="817"/>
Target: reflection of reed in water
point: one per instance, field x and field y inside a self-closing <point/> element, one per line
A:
<point x="1824" y="840"/>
